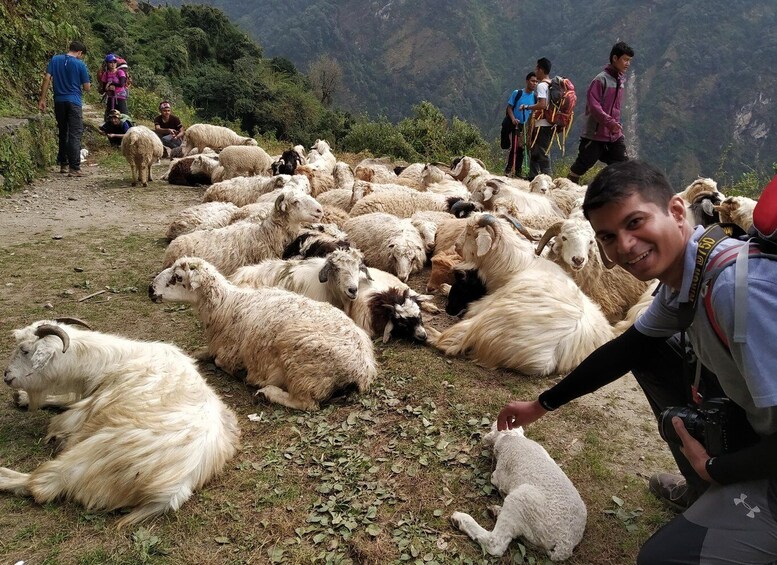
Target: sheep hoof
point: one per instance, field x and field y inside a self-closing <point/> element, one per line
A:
<point x="145" y="184"/>
<point x="21" y="399"/>
<point x="134" y="184"/>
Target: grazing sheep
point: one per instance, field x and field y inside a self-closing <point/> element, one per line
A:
<point x="247" y="190"/>
<point x="143" y="432"/>
<point x="333" y="279"/>
<point x="541" y="505"/>
<point x="208" y="215"/>
<point x="737" y="210"/>
<point x="247" y="243"/>
<point x="388" y="243"/>
<point x="386" y="307"/>
<point x="141" y="148"/>
<point x="299" y="351"/>
<point x="534" y="319"/>
<point x="574" y="249"/>
<point x="240" y="160"/>
<point x="200" y="136"/>
<point x="180" y="171"/>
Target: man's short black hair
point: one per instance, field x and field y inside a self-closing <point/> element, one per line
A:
<point x="620" y="180"/>
<point x="620" y="49"/>
<point x="76" y="46"/>
<point x="531" y="74"/>
<point x="544" y="64"/>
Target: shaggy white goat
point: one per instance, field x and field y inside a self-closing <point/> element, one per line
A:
<point x="388" y="243"/>
<point x="737" y="210"/>
<point x="200" y="136"/>
<point x="574" y="249"/>
<point x="205" y="216"/>
<point x="541" y="505"/>
<point x="333" y="279"/>
<point x="241" y="160"/>
<point x="141" y="148"/>
<point x="143" y="431"/>
<point x="534" y="318"/>
<point x="299" y="351"/>
<point x="321" y="157"/>
<point x="246" y="243"/>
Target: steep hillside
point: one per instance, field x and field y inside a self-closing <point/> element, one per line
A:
<point x="701" y="82"/>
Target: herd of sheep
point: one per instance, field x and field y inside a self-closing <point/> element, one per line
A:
<point x="295" y="264"/>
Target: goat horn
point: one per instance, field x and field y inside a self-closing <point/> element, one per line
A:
<point x="486" y="220"/>
<point x="519" y="226"/>
<point x="363" y="268"/>
<point x="48" y="329"/>
<point x="550" y="233"/>
<point x="606" y="261"/>
<point x="73" y="322"/>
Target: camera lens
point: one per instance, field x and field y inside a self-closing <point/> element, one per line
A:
<point x="691" y="417"/>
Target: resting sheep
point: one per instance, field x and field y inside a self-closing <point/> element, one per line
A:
<point x="299" y="351"/>
<point x="208" y="215"/>
<point x="248" y="161"/>
<point x="402" y="203"/>
<point x="247" y="190"/>
<point x="388" y="243"/>
<point x="737" y="210"/>
<point x="541" y="505"/>
<point x="534" y="319"/>
<point x="141" y="148"/>
<point x="287" y="163"/>
<point x="143" y="429"/>
<point x="200" y="136"/>
<point x="245" y="243"/>
<point x="180" y="171"/>
<point x="317" y="241"/>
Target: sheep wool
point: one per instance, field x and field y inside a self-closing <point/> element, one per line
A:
<point x="200" y="136"/>
<point x="141" y="148"/>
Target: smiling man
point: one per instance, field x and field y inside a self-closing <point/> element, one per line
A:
<point x="727" y="496"/>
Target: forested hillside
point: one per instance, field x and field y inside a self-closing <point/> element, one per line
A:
<point x="702" y="81"/>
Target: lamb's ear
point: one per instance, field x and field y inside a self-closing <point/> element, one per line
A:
<point x="484" y="241"/>
<point x="194" y="274"/>
<point x="387" y="331"/>
<point x="323" y="274"/>
<point x="280" y="203"/>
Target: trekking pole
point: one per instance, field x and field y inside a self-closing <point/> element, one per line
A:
<point x="525" y="154"/>
<point x="515" y="147"/>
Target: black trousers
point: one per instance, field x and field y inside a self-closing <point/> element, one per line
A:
<point x="71" y="125"/>
<point x="539" y="161"/>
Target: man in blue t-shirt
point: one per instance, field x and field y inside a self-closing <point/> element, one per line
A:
<point x="520" y="97"/>
<point x="69" y="74"/>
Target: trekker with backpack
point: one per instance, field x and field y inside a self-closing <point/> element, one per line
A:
<point x="539" y="158"/>
<point x="518" y="122"/>
<point x="726" y="444"/>
<point x="113" y="85"/>
<point x="602" y="138"/>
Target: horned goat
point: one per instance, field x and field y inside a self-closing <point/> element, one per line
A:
<point x="299" y="351"/>
<point x="143" y="431"/>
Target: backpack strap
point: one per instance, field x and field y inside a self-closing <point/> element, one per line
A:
<point x="518" y="95"/>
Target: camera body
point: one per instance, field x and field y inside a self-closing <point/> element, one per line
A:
<point x="710" y="423"/>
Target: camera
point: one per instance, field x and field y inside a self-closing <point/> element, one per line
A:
<point x="710" y="423"/>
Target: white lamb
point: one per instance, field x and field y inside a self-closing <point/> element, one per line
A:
<point x="143" y="429"/>
<point x="243" y="160"/>
<point x="541" y="505"/>
<point x="200" y="136"/>
<point x="388" y="243"/>
<point x="402" y="203"/>
<point x="321" y="157"/>
<point x="247" y="243"/>
<point x="141" y="148"/>
<point x="534" y="318"/>
<point x="299" y="351"/>
<point x="333" y="279"/>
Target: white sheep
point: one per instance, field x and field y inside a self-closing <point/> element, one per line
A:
<point x="534" y="318"/>
<point x="205" y="216"/>
<point x="321" y="157"/>
<point x="245" y="243"/>
<point x="737" y="210"/>
<point x="200" y="136"/>
<point x="575" y="250"/>
<point x="243" y="160"/>
<point x="541" y="505"/>
<point x="403" y="203"/>
<point x="333" y="279"/>
<point x="434" y="179"/>
<point x="205" y="166"/>
<point x="141" y="148"/>
<point x="388" y="243"/>
<point x="247" y="190"/>
<point x="343" y="176"/>
<point x="498" y="196"/>
<point x="143" y="431"/>
<point x="299" y="351"/>
<point x="377" y="170"/>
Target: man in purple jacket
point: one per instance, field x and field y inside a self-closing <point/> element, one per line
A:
<point x="602" y="138"/>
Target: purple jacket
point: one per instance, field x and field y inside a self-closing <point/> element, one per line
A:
<point x="603" y="107"/>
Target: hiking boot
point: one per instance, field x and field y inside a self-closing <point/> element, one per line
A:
<point x="672" y="490"/>
<point x="77" y="173"/>
<point x="63" y="169"/>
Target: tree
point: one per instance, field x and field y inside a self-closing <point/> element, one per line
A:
<point x="326" y="77"/>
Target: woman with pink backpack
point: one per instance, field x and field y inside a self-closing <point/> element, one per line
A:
<point x="113" y="84"/>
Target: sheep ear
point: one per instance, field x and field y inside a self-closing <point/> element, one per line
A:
<point x="44" y="351"/>
<point x="363" y="268"/>
<point x="194" y="276"/>
<point x="484" y="241"/>
<point x="606" y="261"/>
<point x="280" y="203"/>
<point x="387" y="331"/>
<point x="323" y="274"/>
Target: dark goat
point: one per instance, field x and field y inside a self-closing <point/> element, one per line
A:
<point x="287" y="164"/>
<point x="464" y="208"/>
<point x="467" y="287"/>
<point x="397" y="313"/>
<point x="703" y="209"/>
<point x="181" y="173"/>
<point x="313" y="242"/>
